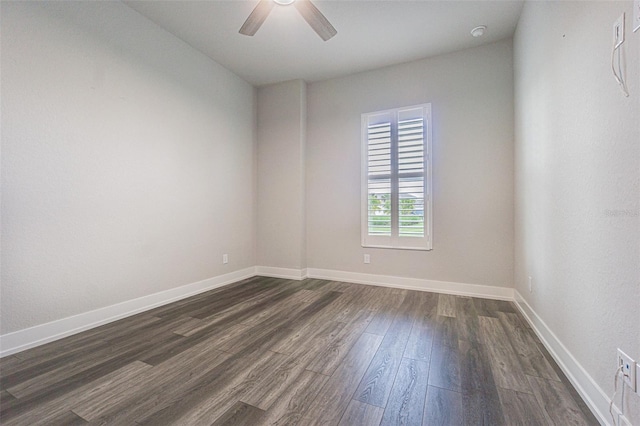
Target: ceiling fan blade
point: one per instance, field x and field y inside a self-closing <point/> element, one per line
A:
<point x="316" y="19"/>
<point x="257" y="17"/>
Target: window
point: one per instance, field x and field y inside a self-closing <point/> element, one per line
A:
<point x="396" y="178"/>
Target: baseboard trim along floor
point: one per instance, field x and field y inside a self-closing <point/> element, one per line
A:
<point x="266" y="351"/>
<point x="593" y="395"/>
<point x="44" y="333"/>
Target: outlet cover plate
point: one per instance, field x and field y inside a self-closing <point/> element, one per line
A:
<point x="635" y="24"/>
<point x="628" y="369"/>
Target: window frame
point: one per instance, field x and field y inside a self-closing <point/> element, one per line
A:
<point x="395" y="241"/>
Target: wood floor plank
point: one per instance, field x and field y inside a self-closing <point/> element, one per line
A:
<point x="484" y="308"/>
<point x="481" y="401"/>
<point x="424" y="328"/>
<point x="468" y="327"/>
<point x="291" y="405"/>
<point x="505" y="363"/>
<point x="240" y="414"/>
<point x="365" y="299"/>
<point x="521" y="408"/>
<point x="407" y="399"/>
<point x="36" y="412"/>
<point x="447" y="305"/>
<point x="442" y="407"/>
<point x="51" y="355"/>
<point x="328" y="360"/>
<point x="475" y="412"/>
<point x="444" y="369"/>
<point x="74" y="380"/>
<point x="188" y="327"/>
<point x="458" y="360"/>
<point x="291" y="313"/>
<point x="506" y="368"/>
<point x="109" y="392"/>
<point x="176" y="373"/>
<point x="341" y="287"/>
<point x="446" y="331"/>
<point x="216" y="301"/>
<point x="389" y="304"/>
<point x="205" y="404"/>
<point x="559" y="406"/>
<point x="275" y="382"/>
<point x="221" y="371"/>
<point x="565" y="381"/>
<point x="268" y="308"/>
<point x="244" y="311"/>
<point x="490" y="308"/>
<point x="52" y="360"/>
<point x="521" y="338"/>
<point x="8" y="364"/>
<point x="361" y="414"/>
<point x="504" y="306"/>
<point x="68" y="418"/>
<point x="76" y="366"/>
<point x="6" y="396"/>
<point x="271" y="289"/>
<point x="313" y="284"/>
<point x="300" y="338"/>
<point x="335" y="395"/>
<point x="379" y="377"/>
<point x="492" y="332"/>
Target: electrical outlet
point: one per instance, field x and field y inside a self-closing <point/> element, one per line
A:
<point x="635" y="24"/>
<point x="530" y="285"/>
<point x="225" y="258"/>
<point x="367" y="258"/>
<point x="618" y="32"/>
<point x="628" y="369"/>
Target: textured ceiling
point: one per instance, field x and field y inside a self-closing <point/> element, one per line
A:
<point x="371" y="34"/>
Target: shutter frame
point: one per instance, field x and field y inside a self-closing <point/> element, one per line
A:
<point x="410" y="179"/>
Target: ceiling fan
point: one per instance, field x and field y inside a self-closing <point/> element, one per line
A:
<point x="309" y="12"/>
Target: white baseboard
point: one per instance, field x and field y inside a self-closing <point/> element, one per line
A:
<point x="34" y="336"/>
<point x="461" y="289"/>
<point x="592" y="394"/>
<point x="287" y="273"/>
<point x="40" y="334"/>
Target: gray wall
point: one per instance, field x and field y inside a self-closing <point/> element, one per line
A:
<point x="125" y="158"/>
<point x="577" y="184"/>
<point x="471" y="92"/>
<point x="282" y="115"/>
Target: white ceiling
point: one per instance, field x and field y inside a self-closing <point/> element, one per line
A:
<point x="371" y="34"/>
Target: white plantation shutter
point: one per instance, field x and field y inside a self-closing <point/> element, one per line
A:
<point x="379" y="177"/>
<point x="396" y="200"/>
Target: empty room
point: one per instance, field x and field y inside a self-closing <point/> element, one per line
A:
<point x="336" y="212"/>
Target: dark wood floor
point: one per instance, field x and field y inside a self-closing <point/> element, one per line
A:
<point x="278" y="352"/>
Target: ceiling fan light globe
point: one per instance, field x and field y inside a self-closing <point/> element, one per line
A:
<point x="284" y="2"/>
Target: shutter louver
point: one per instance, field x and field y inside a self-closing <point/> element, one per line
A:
<point x="379" y="179"/>
<point x="411" y="177"/>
